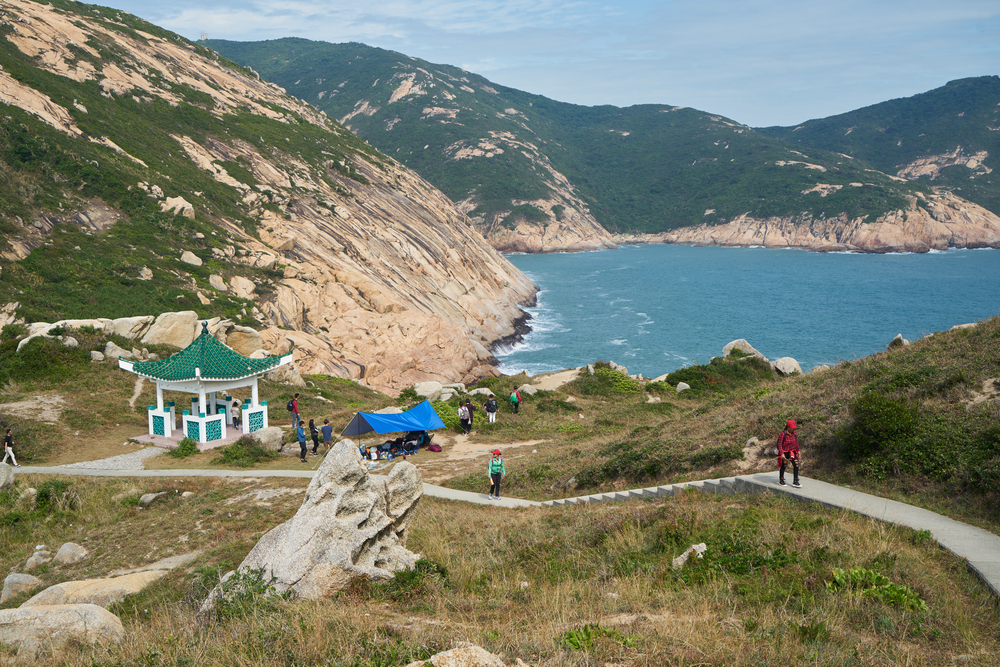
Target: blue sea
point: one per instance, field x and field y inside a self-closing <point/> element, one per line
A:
<point x="657" y="308"/>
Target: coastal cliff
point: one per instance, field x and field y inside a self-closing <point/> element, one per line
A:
<point x="361" y="265"/>
<point x="936" y="222"/>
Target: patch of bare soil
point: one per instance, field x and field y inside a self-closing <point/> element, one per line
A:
<point x="555" y="380"/>
<point x="459" y="455"/>
<point x="991" y="387"/>
<point x="45" y="408"/>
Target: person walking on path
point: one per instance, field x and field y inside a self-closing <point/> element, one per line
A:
<point x="300" y="433"/>
<point x="296" y="417"/>
<point x="314" y="433"/>
<point x="515" y="400"/>
<point x="472" y="412"/>
<point x="8" y="449"/>
<point x="236" y="415"/>
<point x="497" y="471"/>
<point x="490" y="407"/>
<point x="788" y="450"/>
<point x="463" y="417"/>
<point x="327" y="435"/>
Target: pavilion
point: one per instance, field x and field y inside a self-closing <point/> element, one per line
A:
<point x="205" y="368"/>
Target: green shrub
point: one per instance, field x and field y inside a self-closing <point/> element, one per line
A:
<point x="878" y="422"/>
<point x="408" y="584"/>
<point x="13" y="331"/>
<point x="871" y="584"/>
<point x="247" y="594"/>
<point x="605" y="381"/>
<point x="244" y="453"/>
<point x="448" y="414"/>
<point x="54" y="495"/>
<point x="720" y="375"/>
<point x="186" y="447"/>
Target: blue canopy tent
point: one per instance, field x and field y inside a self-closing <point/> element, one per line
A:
<point x="419" y="418"/>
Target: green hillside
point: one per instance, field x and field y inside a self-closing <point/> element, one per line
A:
<point x="962" y="116"/>
<point x="51" y="175"/>
<point x="645" y="168"/>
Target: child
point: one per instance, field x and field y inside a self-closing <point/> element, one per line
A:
<point x="496" y="473"/>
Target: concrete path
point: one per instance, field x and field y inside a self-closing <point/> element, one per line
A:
<point x="979" y="547"/>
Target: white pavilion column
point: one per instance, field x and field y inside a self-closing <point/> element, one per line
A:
<point x="215" y="407"/>
<point x="159" y="397"/>
<point x="253" y="393"/>
<point x="201" y="401"/>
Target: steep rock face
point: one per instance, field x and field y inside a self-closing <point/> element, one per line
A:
<point x="385" y="280"/>
<point x="943" y="221"/>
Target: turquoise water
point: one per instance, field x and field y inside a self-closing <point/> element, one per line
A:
<point x="657" y="308"/>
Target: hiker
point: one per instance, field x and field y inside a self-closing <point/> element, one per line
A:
<point x="236" y="415"/>
<point x="314" y="433"/>
<point x="296" y="418"/>
<point x="490" y="407"/>
<point x="472" y="412"/>
<point x="8" y="449"/>
<point x="495" y="474"/>
<point x="515" y="400"/>
<point x="327" y="435"/>
<point x="300" y="433"/>
<point x="788" y="450"/>
<point x="463" y="417"/>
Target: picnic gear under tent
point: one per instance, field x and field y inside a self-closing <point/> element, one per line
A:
<point x="418" y="418"/>
<point x="205" y="367"/>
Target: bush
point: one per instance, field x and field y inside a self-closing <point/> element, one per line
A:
<point x="54" y="495"/>
<point x="186" y="447"/>
<point x="13" y="331"/>
<point x="605" y="381"/>
<point x="878" y="422"/>
<point x="722" y="374"/>
<point x="244" y="453"/>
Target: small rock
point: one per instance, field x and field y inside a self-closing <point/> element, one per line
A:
<point x="189" y="257"/>
<point x="682" y="386"/>
<point x="15" y="584"/>
<point x="70" y="553"/>
<point x="69" y="341"/>
<point x="145" y="274"/>
<point x="96" y="356"/>
<point x="898" y="341"/>
<point x="147" y="499"/>
<point x="37" y="558"/>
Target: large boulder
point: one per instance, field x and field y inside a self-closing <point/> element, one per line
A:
<point x="268" y="438"/>
<point x="6" y="476"/>
<point x="286" y="374"/>
<point x="177" y="329"/>
<point x="349" y="525"/>
<point x="101" y="592"/>
<point x="786" y="366"/>
<point x="743" y="346"/>
<point x="430" y="390"/>
<point x="131" y="327"/>
<point x="34" y="631"/>
<point x="15" y="584"/>
<point x="244" y="340"/>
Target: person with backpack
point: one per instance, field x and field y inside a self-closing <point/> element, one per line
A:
<point x="463" y="418"/>
<point x="327" y="435"/>
<point x="8" y="449"/>
<point x="490" y="407"/>
<point x="472" y="412"/>
<point x="300" y="433"/>
<point x="496" y="472"/>
<point x="788" y="450"/>
<point x="515" y="400"/>
<point x="314" y="433"/>
<point x="293" y="407"/>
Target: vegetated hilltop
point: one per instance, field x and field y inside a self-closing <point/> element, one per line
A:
<point x="536" y="174"/>
<point x="123" y="145"/>
<point x="948" y="137"/>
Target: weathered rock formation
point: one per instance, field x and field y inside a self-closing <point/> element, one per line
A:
<point x="348" y="526"/>
<point x="385" y="280"/>
<point x="938" y="223"/>
<point x="35" y="631"/>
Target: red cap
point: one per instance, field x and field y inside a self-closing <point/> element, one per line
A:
<point x="791" y="424"/>
<point x="496" y="451"/>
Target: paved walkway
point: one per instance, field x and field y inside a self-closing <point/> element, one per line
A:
<point x="980" y="548"/>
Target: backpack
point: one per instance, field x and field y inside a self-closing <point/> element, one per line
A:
<point x="463" y="412"/>
<point x="291" y="405"/>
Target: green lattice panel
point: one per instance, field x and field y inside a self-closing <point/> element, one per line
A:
<point x="158" y="424"/>
<point x="213" y="430"/>
<point x="193" y="431"/>
<point x="256" y="421"/>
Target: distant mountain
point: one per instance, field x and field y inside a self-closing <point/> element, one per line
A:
<point x="537" y="175"/>
<point x="948" y="137"/>
<point x="123" y="145"/>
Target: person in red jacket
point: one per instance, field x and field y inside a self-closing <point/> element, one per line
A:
<point x="788" y="450"/>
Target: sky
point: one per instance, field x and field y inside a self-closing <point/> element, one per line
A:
<point x="759" y="62"/>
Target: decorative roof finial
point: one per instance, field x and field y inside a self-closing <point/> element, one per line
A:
<point x="204" y="327"/>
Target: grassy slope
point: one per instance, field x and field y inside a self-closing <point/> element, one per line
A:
<point x="643" y="168"/>
<point x="528" y="583"/>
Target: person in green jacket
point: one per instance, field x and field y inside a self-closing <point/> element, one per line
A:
<point x="496" y="473"/>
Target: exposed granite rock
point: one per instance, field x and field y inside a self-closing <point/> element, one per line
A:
<point x="35" y="631"/>
<point x="15" y="584"/>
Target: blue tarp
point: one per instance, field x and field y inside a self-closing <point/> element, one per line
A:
<point x="419" y="418"/>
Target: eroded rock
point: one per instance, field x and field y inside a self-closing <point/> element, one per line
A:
<point x="34" y="631"/>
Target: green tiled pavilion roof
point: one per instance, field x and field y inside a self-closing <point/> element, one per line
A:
<point x="216" y="361"/>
